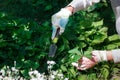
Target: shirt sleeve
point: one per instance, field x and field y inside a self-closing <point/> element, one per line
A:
<point x="116" y="55"/>
<point x="82" y="4"/>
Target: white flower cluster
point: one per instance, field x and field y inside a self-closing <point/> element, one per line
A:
<point x="8" y="73"/>
<point x="12" y="73"/>
<point x="35" y="75"/>
<point x="50" y="64"/>
<point x="54" y="74"/>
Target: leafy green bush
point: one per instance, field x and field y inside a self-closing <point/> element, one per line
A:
<point x="25" y="37"/>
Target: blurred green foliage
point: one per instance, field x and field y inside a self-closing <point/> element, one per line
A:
<point x="25" y="37"/>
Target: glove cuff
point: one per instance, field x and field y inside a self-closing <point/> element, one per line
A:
<point x="100" y="55"/>
<point x="66" y="11"/>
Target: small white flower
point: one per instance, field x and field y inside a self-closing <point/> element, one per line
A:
<point x="9" y="72"/>
<point x="35" y="72"/>
<point x="30" y="73"/>
<point x="66" y="79"/>
<point x="52" y="76"/>
<point x="8" y="67"/>
<point x="33" y="79"/>
<point x="14" y="69"/>
<point x="54" y="72"/>
<point x="1" y="77"/>
<point x="50" y="67"/>
<point x="51" y="62"/>
<point x="38" y="75"/>
<point x="48" y="62"/>
<point x="7" y="78"/>
<point x="60" y="75"/>
<point x="3" y="72"/>
<point x="14" y="63"/>
<point x="21" y="78"/>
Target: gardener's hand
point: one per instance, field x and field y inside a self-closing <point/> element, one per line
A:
<point x="84" y="63"/>
<point x="59" y="20"/>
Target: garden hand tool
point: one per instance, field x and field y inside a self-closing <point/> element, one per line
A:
<point x="59" y="21"/>
<point x="53" y="47"/>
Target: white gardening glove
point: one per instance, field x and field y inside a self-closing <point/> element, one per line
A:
<point x="99" y="56"/>
<point x="59" y="20"/>
<point x="86" y="63"/>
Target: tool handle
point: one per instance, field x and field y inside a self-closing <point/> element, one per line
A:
<point x="55" y="40"/>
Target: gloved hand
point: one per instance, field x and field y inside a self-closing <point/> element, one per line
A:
<point x="86" y="63"/>
<point x="59" y="20"/>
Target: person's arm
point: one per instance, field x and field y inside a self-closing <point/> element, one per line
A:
<point x="70" y="8"/>
<point x="116" y="55"/>
<point x="109" y="56"/>
<point x="98" y="56"/>
<point x="61" y="18"/>
<point x="112" y="55"/>
<point x="82" y="4"/>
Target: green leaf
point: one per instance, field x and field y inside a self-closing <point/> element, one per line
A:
<point x="3" y="43"/>
<point x="75" y="50"/>
<point x="75" y="58"/>
<point x="88" y="52"/>
<point x="72" y="72"/>
<point x="115" y="70"/>
<point x="81" y="37"/>
<point x="29" y="63"/>
<point x="105" y="72"/>
<point x="82" y="44"/>
<point x="91" y="32"/>
<point x="117" y="43"/>
<point x="63" y="68"/>
<point x="104" y="29"/>
<point x="98" y="38"/>
<point x="24" y="72"/>
<point x="91" y="8"/>
<point x="2" y="14"/>
<point x="111" y="46"/>
<point x="114" y="37"/>
<point x="48" y="7"/>
<point x="82" y="77"/>
<point x="97" y="23"/>
<point x="61" y="48"/>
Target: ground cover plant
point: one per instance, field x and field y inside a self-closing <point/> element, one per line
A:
<point x="25" y="37"/>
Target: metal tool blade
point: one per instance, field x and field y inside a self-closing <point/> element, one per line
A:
<point x="52" y="50"/>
